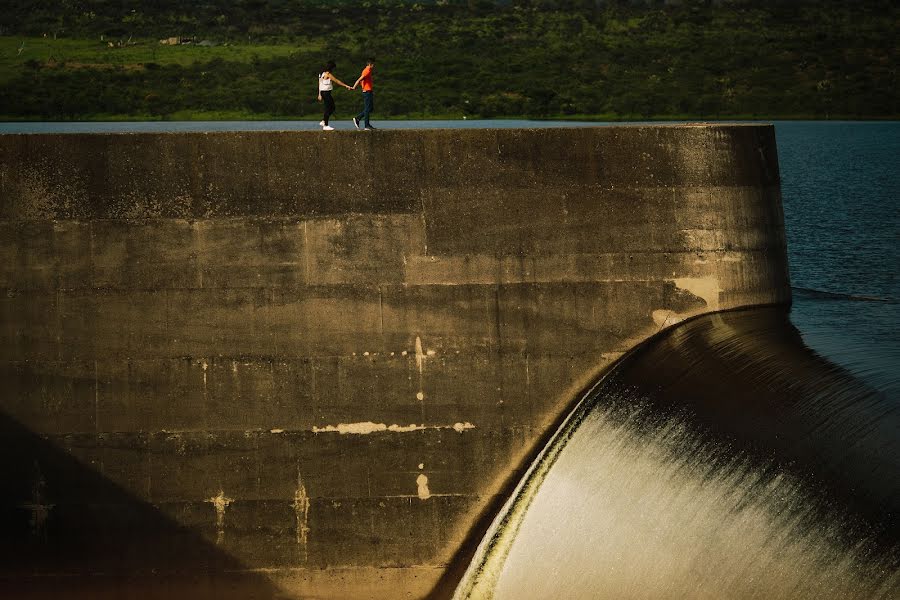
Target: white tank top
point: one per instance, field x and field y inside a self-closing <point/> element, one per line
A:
<point x="325" y="84"/>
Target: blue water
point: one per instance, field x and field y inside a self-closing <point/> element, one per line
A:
<point x="841" y="190"/>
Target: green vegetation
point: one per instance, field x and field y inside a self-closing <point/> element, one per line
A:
<point x="100" y="59"/>
<point x="82" y="54"/>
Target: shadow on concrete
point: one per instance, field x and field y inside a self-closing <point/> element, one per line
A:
<point x="68" y="532"/>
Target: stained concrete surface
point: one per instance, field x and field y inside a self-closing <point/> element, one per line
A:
<point x="270" y="341"/>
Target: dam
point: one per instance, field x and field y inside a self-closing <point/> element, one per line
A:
<point x="272" y="364"/>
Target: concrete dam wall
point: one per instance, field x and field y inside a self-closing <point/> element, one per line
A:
<point x="310" y="365"/>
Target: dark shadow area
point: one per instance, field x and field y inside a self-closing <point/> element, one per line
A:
<point x="70" y="533"/>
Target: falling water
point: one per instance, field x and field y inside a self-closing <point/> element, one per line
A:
<point x="723" y="459"/>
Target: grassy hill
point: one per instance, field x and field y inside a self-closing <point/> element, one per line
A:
<point x="97" y="59"/>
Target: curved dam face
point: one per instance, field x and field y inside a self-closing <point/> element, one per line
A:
<point x="300" y="364"/>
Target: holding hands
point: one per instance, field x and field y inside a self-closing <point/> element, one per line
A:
<point x="319" y="97"/>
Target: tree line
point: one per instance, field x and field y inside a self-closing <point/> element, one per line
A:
<point x="535" y="58"/>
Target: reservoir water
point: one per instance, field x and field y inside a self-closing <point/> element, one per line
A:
<point x="841" y="190"/>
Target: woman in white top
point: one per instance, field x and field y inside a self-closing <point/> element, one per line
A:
<point x="326" y="84"/>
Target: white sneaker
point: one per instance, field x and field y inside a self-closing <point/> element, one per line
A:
<point x="321" y="123"/>
<point x="356" y="122"/>
<point x="328" y="128"/>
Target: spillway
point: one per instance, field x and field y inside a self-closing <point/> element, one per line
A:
<point x="722" y="458"/>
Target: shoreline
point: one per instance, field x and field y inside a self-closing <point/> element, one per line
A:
<point x="200" y="117"/>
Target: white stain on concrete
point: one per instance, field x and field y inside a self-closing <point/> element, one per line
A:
<point x="664" y="318"/>
<point x="301" y="513"/>
<point x="703" y="287"/>
<point x="706" y="288"/>
<point x="422" y="483"/>
<point x="420" y="355"/>
<point x="220" y="503"/>
<point x="405" y="428"/>
<point x="354" y="428"/>
<point x="276" y="431"/>
<point x="368" y="427"/>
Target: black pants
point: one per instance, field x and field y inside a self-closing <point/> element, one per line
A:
<point x="329" y="105"/>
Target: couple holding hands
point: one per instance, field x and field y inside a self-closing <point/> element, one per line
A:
<point x="326" y="85"/>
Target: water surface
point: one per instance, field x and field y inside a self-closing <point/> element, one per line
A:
<point x="841" y="190"/>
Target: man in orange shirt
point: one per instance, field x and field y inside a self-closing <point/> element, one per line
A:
<point x="368" y="96"/>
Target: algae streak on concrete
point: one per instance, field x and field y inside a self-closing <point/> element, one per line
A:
<point x="262" y="364"/>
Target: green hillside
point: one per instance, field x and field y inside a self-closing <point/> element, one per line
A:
<point x="94" y="59"/>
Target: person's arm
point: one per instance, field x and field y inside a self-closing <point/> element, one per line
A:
<point x="361" y="77"/>
<point x="336" y="80"/>
<point x="318" y="92"/>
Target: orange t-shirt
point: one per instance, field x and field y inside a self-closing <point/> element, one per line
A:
<point x="367" y="79"/>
